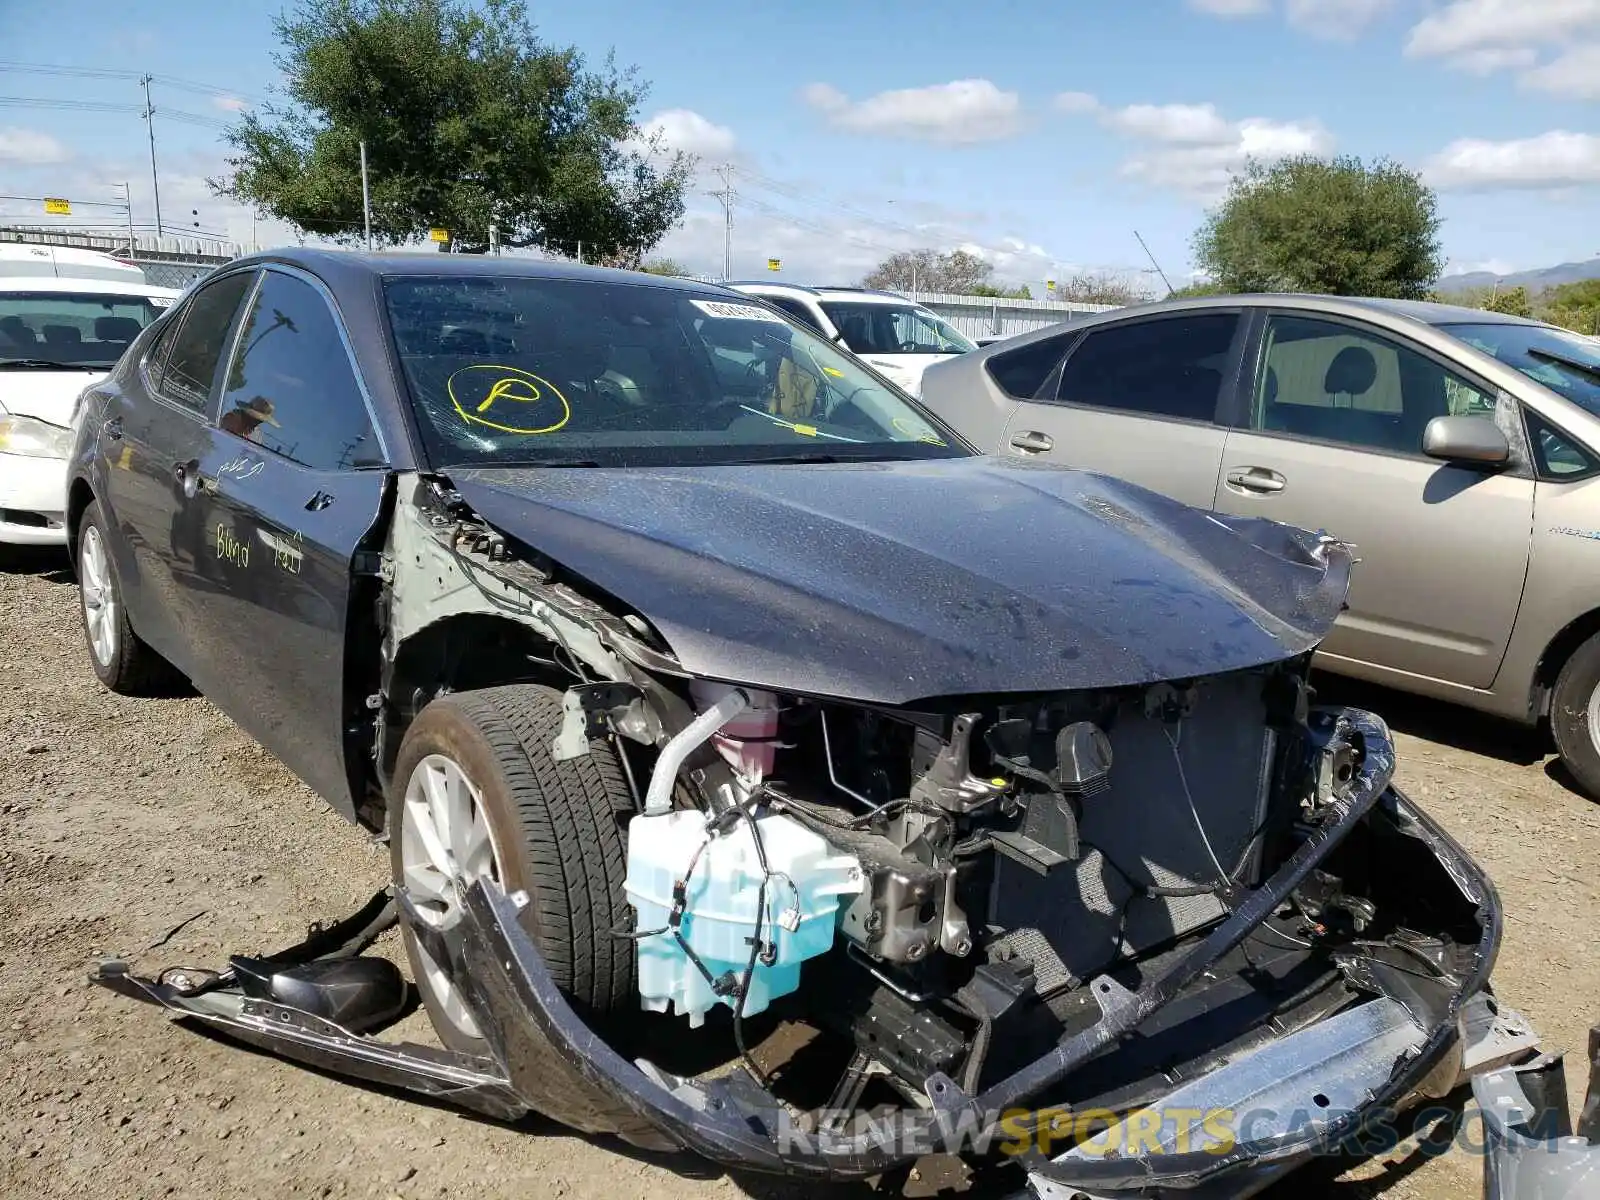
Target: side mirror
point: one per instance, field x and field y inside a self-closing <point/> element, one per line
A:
<point x="1466" y="440"/>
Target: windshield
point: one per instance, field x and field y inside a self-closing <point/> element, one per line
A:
<point x="894" y="329"/>
<point x="1564" y="362"/>
<point x="72" y="329"/>
<point x="578" y="372"/>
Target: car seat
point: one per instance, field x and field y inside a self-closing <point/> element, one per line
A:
<point x="116" y="329"/>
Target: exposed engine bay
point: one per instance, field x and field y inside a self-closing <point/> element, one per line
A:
<point x="1065" y="900"/>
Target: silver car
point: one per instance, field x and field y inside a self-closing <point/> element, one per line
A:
<point x="1458" y="449"/>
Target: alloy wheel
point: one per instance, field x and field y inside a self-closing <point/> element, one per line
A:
<point x="445" y="845"/>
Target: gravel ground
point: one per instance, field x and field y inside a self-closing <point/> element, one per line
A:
<point x="119" y="819"/>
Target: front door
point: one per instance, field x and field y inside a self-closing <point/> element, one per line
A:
<point x="290" y="488"/>
<point x="1138" y="400"/>
<point x="1333" y="441"/>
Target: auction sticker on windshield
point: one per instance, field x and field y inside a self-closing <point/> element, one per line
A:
<point x="737" y="312"/>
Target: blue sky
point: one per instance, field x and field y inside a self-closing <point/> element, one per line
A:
<point x="1041" y="133"/>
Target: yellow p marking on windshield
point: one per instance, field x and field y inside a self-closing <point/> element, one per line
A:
<point x="498" y="390"/>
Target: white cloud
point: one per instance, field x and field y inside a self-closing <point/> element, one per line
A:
<point x="1193" y="148"/>
<point x="1576" y="73"/>
<point x="1484" y="36"/>
<point x="231" y="104"/>
<point x="1490" y="266"/>
<point x="962" y="111"/>
<point x="1076" y="102"/>
<point x="683" y="129"/>
<point x="1232" y="8"/>
<point x="1463" y="26"/>
<point x="1552" y="160"/>
<point x="1335" y="19"/>
<point x="1198" y="123"/>
<point x="30" y="147"/>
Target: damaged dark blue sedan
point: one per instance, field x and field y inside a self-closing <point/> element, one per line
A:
<point x="765" y="773"/>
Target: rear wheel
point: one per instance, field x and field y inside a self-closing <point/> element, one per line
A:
<point x="121" y="661"/>
<point x="1575" y="715"/>
<point x="477" y="795"/>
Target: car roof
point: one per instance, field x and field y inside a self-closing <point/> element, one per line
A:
<point x="1426" y="311"/>
<point x="344" y="266"/>
<point x="864" y="295"/>
<point x="75" y="284"/>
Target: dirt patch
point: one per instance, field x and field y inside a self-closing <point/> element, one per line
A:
<point x="120" y="819"/>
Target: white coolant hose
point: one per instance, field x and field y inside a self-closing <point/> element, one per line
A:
<point x="658" y="799"/>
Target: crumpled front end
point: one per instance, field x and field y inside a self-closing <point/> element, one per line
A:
<point x="1133" y="933"/>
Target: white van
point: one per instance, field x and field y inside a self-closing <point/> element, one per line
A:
<point x="898" y="339"/>
<point x="60" y="332"/>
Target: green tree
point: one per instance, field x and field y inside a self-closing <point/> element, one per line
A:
<point x="663" y="266"/>
<point x="1513" y="302"/>
<point x="1575" y="306"/>
<point x="1336" y="226"/>
<point x="470" y="122"/>
<point x="1001" y="292"/>
<point x="1190" y="291"/>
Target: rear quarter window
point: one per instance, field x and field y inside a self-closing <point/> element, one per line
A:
<point x="1022" y="372"/>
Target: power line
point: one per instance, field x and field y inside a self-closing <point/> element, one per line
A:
<point x="188" y="85"/>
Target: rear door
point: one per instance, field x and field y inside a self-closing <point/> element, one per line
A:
<point x="290" y="485"/>
<point x="1139" y="400"/>
<point x="1331" y="438"/>
<point x="153" y="425"/>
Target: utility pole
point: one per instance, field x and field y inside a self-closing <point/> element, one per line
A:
<point x="127" y="199"/>
<point x="366" y="197"/>
<point x="725" y="173"/>
<point x="150" y="125"/>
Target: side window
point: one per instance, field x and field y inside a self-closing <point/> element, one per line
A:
<point x="1023" y="371"/>
<point x="193" y="346"/>
<point x="290" y="388"/>
<point x="795" y="309"/>
<point x="1555" y="454"/>
<point x="1171" y="368"/>
<point x="1339" y="383"/>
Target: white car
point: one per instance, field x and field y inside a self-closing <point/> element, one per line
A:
<point x="64" y="322"/>
<point x="898" y="339"/>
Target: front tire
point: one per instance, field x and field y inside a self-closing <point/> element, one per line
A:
<point x="1575" y="715"/>
<point x="476" y="793"/>
<point x="121" y="661"/>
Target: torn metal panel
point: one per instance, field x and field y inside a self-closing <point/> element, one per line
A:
<point x="889" y="582"/>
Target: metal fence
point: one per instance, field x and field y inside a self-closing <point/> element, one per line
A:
<point x="991" y="316"/>
<point x="173" y="262"/>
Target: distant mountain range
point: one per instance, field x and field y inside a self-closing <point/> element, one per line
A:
<point x="1535" y="281"/>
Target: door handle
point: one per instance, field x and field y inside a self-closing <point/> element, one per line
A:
<point x="1033" y="442"/>
<point x="319" y="501"/>
<point x="1256" y="479"/>
<point x="113" y="429"/>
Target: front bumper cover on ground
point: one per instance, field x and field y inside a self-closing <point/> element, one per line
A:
<point x="544" y="1058"/>
<point x="1532" y="1151"/>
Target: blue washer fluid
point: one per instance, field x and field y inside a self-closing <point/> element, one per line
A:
<point x="808" y="878"/>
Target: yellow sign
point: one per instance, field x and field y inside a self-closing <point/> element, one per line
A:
<point x="774" y="264"/>
<point x="57" y="206"/>
<point x="439" y="235"/>
<point x="1049" y="285"/>
<point x="507" y="399"/>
